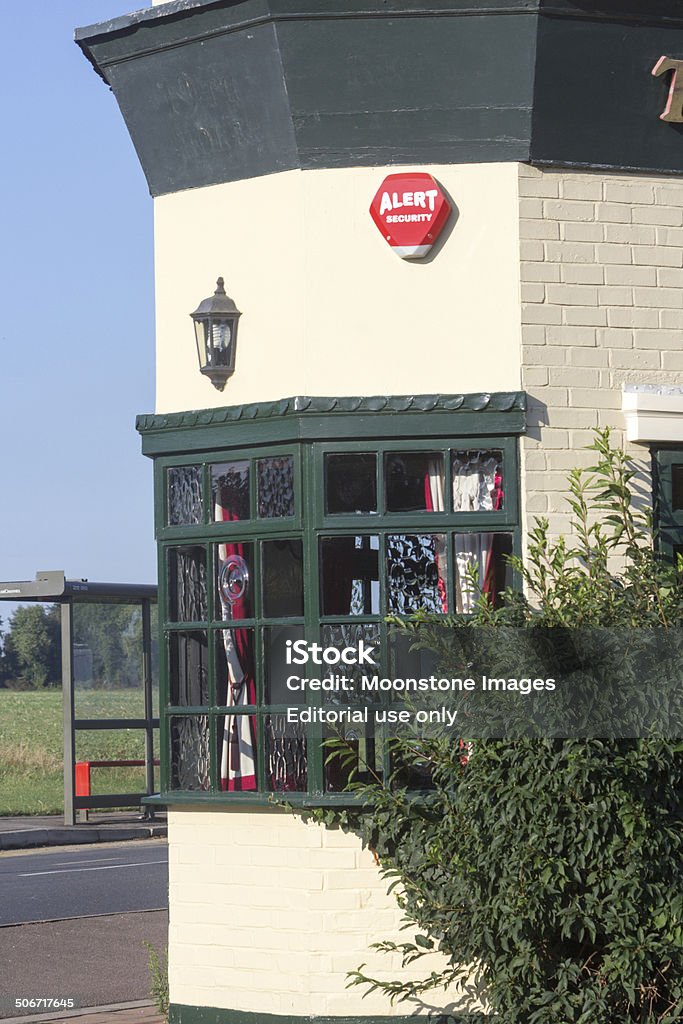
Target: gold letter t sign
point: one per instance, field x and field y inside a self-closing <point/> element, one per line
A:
<point x="673" y="110"/>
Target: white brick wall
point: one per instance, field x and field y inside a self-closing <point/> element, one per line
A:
<point x="602" y="305"/>
<point x="268" y="914"/>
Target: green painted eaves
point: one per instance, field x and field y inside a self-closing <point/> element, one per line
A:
<point x="500" y="401"/>
<point x="312" y="418"/>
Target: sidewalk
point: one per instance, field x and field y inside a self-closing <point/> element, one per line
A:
<point x="128" y="1013"/>
<point x="21" y="833"/>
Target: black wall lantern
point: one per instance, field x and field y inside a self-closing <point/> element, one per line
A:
<point x="215" y="327"/>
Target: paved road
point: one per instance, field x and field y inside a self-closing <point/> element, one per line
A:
<point x="83" y="881"/>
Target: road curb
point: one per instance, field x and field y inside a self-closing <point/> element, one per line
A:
<point x="24" y="839"/>
<point x="80" y="917"/>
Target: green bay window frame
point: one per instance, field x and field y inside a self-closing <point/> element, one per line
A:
<point x="309" y="430"/>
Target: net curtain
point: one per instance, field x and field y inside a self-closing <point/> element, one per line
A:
<point x="477" y="487"/>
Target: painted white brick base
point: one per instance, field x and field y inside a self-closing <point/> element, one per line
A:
<point x="269" y="913"/>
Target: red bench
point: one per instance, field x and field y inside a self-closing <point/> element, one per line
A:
<point x="83" y="772"/>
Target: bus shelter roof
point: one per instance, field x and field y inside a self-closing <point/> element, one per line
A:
<point x="54" y="586"/>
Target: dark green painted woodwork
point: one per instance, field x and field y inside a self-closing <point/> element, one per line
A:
<point x="596" y="103"/>
<point x="668" y="514"/>
<point x="219" y="90"/>
<point x="306" y="418"/>
<point x="179" y="1014"/>
<point x="306" y="429"/>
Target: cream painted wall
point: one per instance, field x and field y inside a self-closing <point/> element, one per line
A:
<point x="328" y="308"/>
<point x="268" y="913"/>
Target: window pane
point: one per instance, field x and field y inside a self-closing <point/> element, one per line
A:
<point x="188" y="669"/>
<point x="187" y="584"/>
<point x="350" y="575"/>
<point x="235" y="671"/>
<point x="480" y="568"/>
<point x="352" y="635"/>
<point x="417" y="573"/>
<point x="190" y="758"/>
<point x="477" y="481"/>
<point x="276" y="669"/>
<point x="350" y="484"/>
<point x="230" y="491"/>
<point x="184" y="493"/>
<point x="283" y="578"/>
<point x="234" y="581"/>
<point x="413" y="774"/>
<point x="677" y="487"/>
<point x="356" y="756"/>
<point x="286" y="756"/>
<point x="237" y="753"/>
<point x="275" y="487"/>
<point x="414" y="481"/>
<point x="405" y="661"/>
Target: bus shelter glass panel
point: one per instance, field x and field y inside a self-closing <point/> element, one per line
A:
<point x="112" y="746"/>
<point x="108" y="660"/>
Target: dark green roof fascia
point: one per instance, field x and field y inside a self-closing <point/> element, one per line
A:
<point x="125" y="40"/>
<point x="221" y="91"/>
<point x="241" y="13"/>
<point x="216" y="91"/>
<point x="306" y="418"/>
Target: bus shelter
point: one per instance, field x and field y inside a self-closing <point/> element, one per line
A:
<point x="98" y="619"/>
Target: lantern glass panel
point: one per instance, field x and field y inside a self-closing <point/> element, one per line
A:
<point x="220" y="342"/>
<point x="201" y="334"/>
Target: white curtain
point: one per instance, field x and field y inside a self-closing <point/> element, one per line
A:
<point x="472" y="559"/>
<point x="436" y="503"/>
<point x="474" y="490"/>
<point x="474" y="482"/>
<point x="238" y="757"/>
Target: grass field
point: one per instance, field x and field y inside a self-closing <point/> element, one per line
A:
<point x="31" y="747"/>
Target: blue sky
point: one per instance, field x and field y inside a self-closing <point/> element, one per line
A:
<point x="77" y="331"/>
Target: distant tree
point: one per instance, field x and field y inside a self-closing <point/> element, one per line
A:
<point x="31" y="650"/>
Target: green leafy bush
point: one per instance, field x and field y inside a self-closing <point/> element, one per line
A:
<point x="548" y="872"/>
